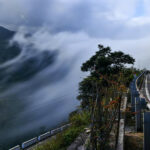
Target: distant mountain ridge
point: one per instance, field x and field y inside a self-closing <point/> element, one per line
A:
<point x="7" y="52"/>
<point x="22" y="69"/>
<point x="5" y="34"/>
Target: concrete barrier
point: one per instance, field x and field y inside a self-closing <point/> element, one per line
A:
<point x="29" y="143"/>
<point x="44" y="136"/>
<point x="120" y="145"/>
<point x="15" y="148"/>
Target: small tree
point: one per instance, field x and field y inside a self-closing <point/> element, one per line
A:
<point x="106" y="81"/>
<point x="103" y="63"/>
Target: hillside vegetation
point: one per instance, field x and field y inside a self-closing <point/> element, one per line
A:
<point x="101" y="95"/>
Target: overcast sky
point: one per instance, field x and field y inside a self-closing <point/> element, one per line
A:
<point x="121" y="24"/>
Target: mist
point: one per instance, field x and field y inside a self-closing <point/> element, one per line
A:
<point x="123" y="25"/>
<point x="46" y="93"/>
<point x="40" y="96"/>
<point x="39" y="86"/>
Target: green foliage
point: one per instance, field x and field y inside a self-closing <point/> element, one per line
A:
<point x="106" y="62"/>
<point x="100" y="61"/>
<point x="80" y="119"/>
<point x="63" y="140"/>
<point x="53" y="144"/>
<point x="128" y="75"/>
<point x="103" y="63"/>
<point x="86" y="90"/>
<point x="70" y="135"/>
<point x="101" y="92"/>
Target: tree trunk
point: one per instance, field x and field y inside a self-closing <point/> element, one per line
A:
<point x="118" y="122"/>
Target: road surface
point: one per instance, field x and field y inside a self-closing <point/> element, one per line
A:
<point x="145" y="89"/>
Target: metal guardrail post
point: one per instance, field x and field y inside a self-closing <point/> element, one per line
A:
<point x="138" y="117"/>
<point x="147" y="131"/>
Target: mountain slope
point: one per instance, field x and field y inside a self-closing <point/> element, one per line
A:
<point x="7" y="52"/>
<point x="24" y="68"/>
<point x="5" y="34"/>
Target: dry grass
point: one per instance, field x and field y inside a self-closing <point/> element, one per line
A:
<point x="134" y="141"/>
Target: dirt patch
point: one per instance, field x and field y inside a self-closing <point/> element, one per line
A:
<point x="134" y="141"/>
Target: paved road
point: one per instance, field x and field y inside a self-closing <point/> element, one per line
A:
<point x="145" y="90"/>
<point x="147" y="86"/>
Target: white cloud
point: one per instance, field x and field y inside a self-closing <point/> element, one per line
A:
<point x="105" y="18"/>
<point x="75" y="28"/>
<point x="119" y="21"/>
<point x="139" y="21"/>
<point x="71" y="44"/>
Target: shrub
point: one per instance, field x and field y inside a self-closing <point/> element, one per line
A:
<point x="70" y="135"/>
<point x="80" y="119"/>
<point x="62" y="140"/>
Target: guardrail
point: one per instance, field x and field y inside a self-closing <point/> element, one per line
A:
<point x="137" y="101"/>
<point x="140" y="87"/>
<point x="15" y="148"/>
<point x="38" y="139"/>
<point x="139" y="81"/>
<point x="29" y="142"/>
<point x="142" y="115"/>
<point x="44" y="136"/>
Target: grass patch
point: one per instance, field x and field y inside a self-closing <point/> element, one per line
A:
<point x="134" y="141"/>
